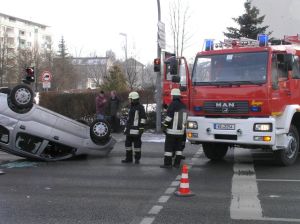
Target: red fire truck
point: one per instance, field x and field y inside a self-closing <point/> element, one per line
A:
<point x="244" y="93"/>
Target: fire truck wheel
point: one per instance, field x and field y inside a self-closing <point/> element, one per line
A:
<point x="215" y="151"/>
<point x="287" y="157"/>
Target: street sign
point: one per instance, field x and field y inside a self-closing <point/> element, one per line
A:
<point x="46" y="76"/>
<point x="161" y="37"/>
<point x="46" y="85"/>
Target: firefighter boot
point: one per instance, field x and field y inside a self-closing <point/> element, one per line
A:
<point x="167" y="162"/>
<point x="177" y="161"/>
<point x="137" y="156"/>
<point x="128" y="158"/>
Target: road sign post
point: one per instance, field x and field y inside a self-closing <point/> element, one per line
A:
<point x="46" y="79"/>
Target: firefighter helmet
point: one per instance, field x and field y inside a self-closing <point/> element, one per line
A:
<point x="175" y="92"/>
<point x="133" y="95"/>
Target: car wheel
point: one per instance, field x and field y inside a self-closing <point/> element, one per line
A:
<point x="288" y="156"/>
<point x="22" y="96"/>
<point x="215" y="151"/>
<point x="100" y="131"/>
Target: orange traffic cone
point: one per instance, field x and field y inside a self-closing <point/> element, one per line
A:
<point x="184" y="188"/>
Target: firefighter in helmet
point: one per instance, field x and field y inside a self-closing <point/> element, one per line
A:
<point x="174" y="128"/>
<point x="134" y="129"/>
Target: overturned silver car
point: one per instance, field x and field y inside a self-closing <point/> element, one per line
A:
<point x="31" y="131"/>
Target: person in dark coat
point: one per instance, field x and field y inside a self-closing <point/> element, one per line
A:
<point x="100" y="105"/>
<point x="134" y="129"/>
<point x="114" y="106"/>
<point x="174" y="128"/>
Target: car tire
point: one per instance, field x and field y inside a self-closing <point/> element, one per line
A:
<point x="215" y="151"/>
<point x="100" y="131"/>
<point x="21" y="96"/>
<point x="287" y="157"/>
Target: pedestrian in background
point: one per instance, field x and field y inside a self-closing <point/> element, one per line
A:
<point x="174" y="128"/>
<point x="114" y="106"/>
<point x="134" y="128"/>
<point x="100" y="105"/>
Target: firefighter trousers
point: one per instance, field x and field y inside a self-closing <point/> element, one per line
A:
<point x="137" y="144"/>
<point x="173" y="145"/>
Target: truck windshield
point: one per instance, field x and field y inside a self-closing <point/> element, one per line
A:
<point x="227" y="69"/>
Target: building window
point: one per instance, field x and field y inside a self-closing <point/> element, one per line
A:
<point x="22" y="32"/>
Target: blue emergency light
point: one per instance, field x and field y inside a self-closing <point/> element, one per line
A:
<point x="209" y="45"/>
<point x="263" y="40"/>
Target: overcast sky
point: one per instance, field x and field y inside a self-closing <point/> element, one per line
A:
<point x="93" y="26"/>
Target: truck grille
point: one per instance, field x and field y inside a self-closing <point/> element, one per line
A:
<point x="230" y="107"/>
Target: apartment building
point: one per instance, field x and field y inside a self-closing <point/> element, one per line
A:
<point x="20" y="33"/>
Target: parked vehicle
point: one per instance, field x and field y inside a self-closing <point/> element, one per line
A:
<point x="31" y="131"/>
<point x="245" y="93"/>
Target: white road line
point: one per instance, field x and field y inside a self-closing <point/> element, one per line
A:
<point x="147" y="220"/>
<point x="170" y="190"/>
<point x="244" y="203"/>
<point x="163" y="199"/>
<point x="278" y="180"/>
<point x="277" y="219"/>
<point x="175" y="183"/>
<point x="155" y="209"/>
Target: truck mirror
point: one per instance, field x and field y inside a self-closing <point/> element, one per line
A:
<point x="176" y="78"/>
<point x="173" y="66"/>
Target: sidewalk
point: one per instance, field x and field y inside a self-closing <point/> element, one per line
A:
<point x="146" y="137"/>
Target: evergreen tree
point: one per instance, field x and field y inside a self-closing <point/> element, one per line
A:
<point x="62" y="49"/>
<point x="115" y="80"/>
<point x="249" y="24"/>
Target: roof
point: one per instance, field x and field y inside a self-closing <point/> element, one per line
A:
<point x="89" y="60"/>
<point x="23" y="20"/>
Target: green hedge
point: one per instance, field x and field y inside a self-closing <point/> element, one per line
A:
<point x="81" y="105"/>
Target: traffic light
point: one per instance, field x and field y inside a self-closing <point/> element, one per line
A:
<point x="29" y="77"/>
<point x="157" y="65"/>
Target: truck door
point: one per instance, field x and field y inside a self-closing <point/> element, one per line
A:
<point x="184" y="81"/>
<point x="281" y="93"/>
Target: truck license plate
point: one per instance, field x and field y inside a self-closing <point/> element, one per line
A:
<point x="224" y="126"/>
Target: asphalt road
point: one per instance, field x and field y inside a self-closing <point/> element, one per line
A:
<point x="244" y="188"/>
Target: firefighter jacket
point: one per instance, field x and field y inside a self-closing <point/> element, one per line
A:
<point x="175" y="121"/>
<point x="136" y="120"/>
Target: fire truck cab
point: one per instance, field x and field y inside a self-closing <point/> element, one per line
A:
<point x="244" y="93"/>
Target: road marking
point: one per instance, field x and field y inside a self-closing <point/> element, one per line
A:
<point x="147" y="220"/>
<point x="170" y="190"/>
<point x="175" y="183"/>
<point x="244" y="203"/>
<point x="278" y="180"/>
<point x="163" y="199"/>
<point x="155" y="209"/>
<point x="277" y="219"/>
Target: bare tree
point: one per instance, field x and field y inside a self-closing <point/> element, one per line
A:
<point x="179" y="17"/>
<point x="132" y="74"/>
<point x="97" y="69"/>
<point x="149" y="78"/>
<point x="7" y="60"/>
